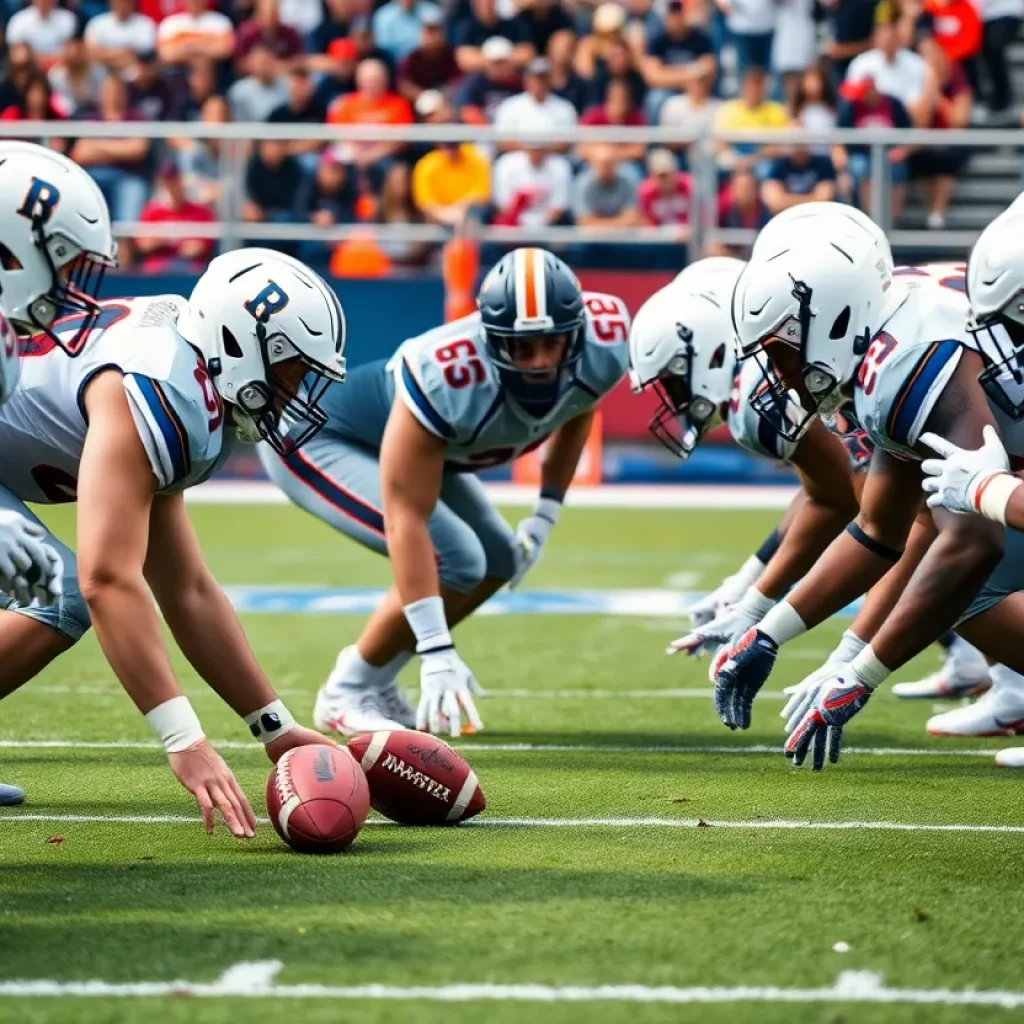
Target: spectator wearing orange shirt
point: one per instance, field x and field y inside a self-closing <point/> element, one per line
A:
<point x="371" y="104"/>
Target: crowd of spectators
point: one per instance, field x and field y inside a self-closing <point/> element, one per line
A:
<point x="522" y="65"/>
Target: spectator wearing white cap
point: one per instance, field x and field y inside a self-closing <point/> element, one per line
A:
<point x="396" y="25"/>
<point x="483" y="23"/>
<point x="535" y="105"/>
<point x="477" y="96"/>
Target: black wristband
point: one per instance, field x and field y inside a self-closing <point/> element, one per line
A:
<point x="771" y="544"/>
<point x="552" y="494"/>
<point x="876" y="547"/>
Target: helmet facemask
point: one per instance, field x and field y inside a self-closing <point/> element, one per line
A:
<point x="537" y="390"/>
<point x="1000" y="342"/>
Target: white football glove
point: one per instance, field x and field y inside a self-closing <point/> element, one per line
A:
<point x="446" y="685"/>
<point x="953" y="482"/>
<point x="728" y="592"/>
<point x="29" y="567"/>
<point x="730" y="622"/>
<point x="803" y="694"/>
<point x="531" y="536"/>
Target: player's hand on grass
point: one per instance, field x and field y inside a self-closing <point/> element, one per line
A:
<point x="820" y="730"/>
<point x="202" y="771"/>
<point x="29" y="567"/>
<point x="956" y="480"/>
<point x="803" y="694"/>
<point x="738" y="671"/>
<point x="296" y="736"/>
<point x="729" y="624"/>
<point x="446" y="692"/>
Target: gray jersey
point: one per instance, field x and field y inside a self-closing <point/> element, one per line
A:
<point x="447" y="381"/>
<point x="178" y="415"/>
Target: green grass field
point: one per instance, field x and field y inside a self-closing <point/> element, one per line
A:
<point x="647" y="898"/>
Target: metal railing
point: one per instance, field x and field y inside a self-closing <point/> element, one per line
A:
<point x="236" y="140"/>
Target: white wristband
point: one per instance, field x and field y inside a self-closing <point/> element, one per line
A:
<point x="849" y="647"/>
<point x="750" y="571"/>
<point x="270" y="722"/>
<point x="549" y="509"/>
<point x="755" y="604"/>
<point x="868" y="669"/>
<point x="176" y="724"/>
<point x="993" y="495"/>
<point x="782" y="623"/>
<point x="427" y="621"/>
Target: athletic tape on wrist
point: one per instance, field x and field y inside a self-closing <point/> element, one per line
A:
<point x="782" y="623"/>
<point x="270" y="722"/>
<point x="993" y="496"/>
<point x="176" y="723"/>
<point x="868" y="669"/>
<point x="547" y="508"/>
<point x="754" y="602"/>
<point x="876" y="547"/>
<point x="427" y="621"/>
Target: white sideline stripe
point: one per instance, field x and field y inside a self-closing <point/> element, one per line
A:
<point x="256" y="980"/>
<point x="525" y="748"/>
<point x="631" y="496"/>
<point x="770" y="824"/>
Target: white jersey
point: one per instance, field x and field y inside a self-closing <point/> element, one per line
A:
<point x="178" y="415"/>
<point x="447" y="381"/>
<point x="912" y="359"/>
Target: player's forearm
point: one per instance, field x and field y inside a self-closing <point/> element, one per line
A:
<point x="128" y="631"/>
<point x="813" y="528"/>
<point x="949" y="576"/>
<point x="563" y="455"/>
<point x="412" y="555"/>
<point x="209" y="634"/>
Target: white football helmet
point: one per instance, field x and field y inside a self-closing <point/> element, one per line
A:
<point x="682" y="343"/>
<point x="810" y="306"/>
<point x="273" y="335"/>
<point x="995" y="289"/>
<point x="55" y="244"/>
<point x="781" y="228"/>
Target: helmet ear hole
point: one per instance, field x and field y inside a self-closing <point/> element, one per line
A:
<point x="231" y="346"/>
<point x="841" y="325"/>
<point x="8" y="260"/>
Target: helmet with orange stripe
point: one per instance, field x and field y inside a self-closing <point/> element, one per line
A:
<point x="533" y="320"/>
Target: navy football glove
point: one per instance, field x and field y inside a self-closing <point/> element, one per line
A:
<point x="739" y="671"/>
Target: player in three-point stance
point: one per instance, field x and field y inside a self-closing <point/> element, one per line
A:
<point x="394" y="469"/>
<point x="123" y="428"/>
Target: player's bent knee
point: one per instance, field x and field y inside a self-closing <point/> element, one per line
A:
<point x="463" y="568"/>
<point x="501" y="560"/>
<point x="69" y="616"/>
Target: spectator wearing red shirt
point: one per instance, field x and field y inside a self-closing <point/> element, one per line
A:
<point x="740" y="206"/>
<point x="617" y="109"/>
<point x="267" y="28"/>
<point x="432" y="64"/>
<point x="170" y="206"/>
<point x="664" y="197"/>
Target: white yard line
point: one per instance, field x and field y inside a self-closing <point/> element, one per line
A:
<point x="770" y="824"/>
<point x="631" y="496"/>
<point x="257" y="980"/>
<point x="524" y="748"/>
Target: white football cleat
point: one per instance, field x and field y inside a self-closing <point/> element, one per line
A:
<point x="349" y="711"/>
<point x="1000" y="712"/>
<point x="1012" y="757"/>
<point x="964" y="673"/>
<point x="394" y="704"/>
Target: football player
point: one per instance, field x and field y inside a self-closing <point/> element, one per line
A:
<point x="394" y="469"/>
<point x="57" y="242"/>
<point x="829" y="316"/>
<point x="123" y="428"/>
<point x="682" y="345"/>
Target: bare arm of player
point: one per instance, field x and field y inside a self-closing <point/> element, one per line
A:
<point x="830" y="504"/>
<point x="206" y="628"/>
<point x="966" y="549"/>
<point x="115" y="497"/>
<point x="562" y="453"/>
<point x="411" y="467"/>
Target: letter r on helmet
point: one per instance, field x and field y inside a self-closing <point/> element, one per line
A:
<point x="272" y="299"/>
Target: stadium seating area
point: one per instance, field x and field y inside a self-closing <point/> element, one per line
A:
<point x="521" y="63"/>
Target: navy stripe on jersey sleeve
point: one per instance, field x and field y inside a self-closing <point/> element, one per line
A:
<point x="915" y="390"/>
<point x="166" y="419"/>
<point x="412" y="385"/>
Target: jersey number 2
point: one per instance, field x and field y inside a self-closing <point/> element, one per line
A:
<point x="879" y="351"/>
<point x="462" y="365"/>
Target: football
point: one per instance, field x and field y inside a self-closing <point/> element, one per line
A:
<point x="416" y="779"/>
<point x="318" y="799"/>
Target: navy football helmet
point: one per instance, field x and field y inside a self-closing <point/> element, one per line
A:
<point x="530" y="293"/>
